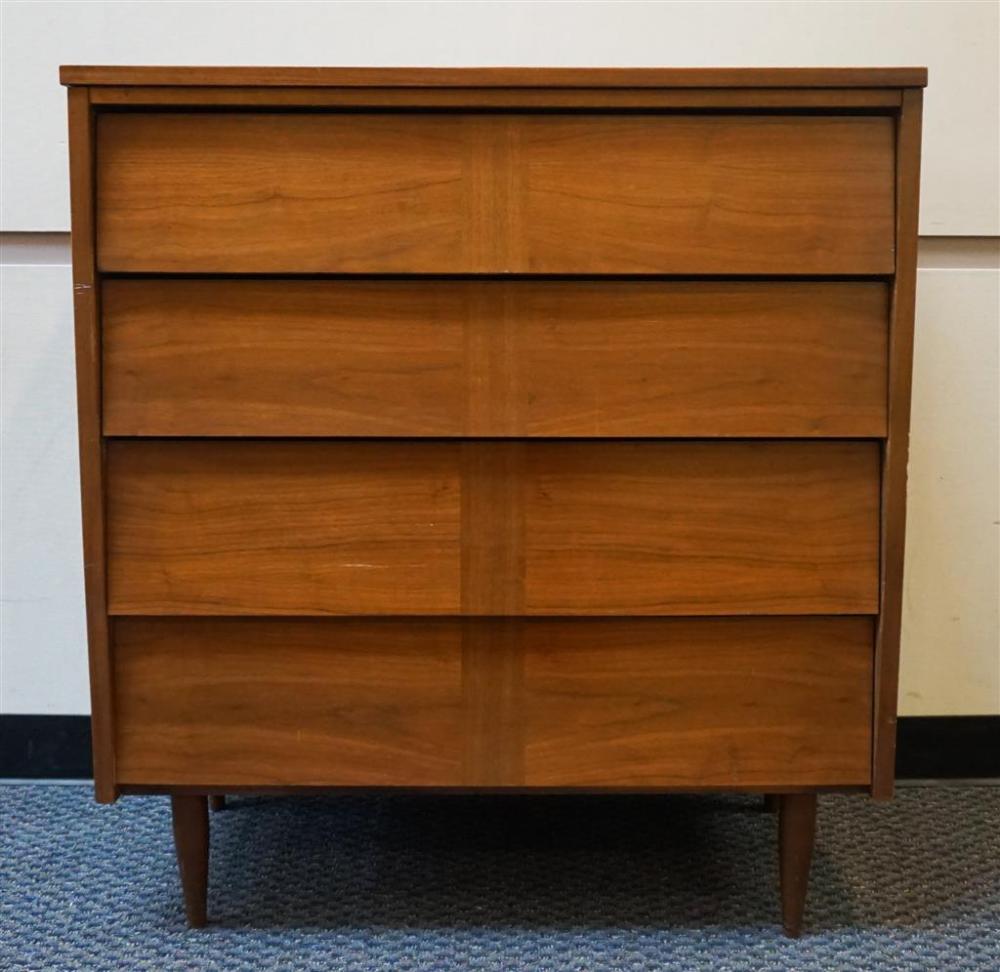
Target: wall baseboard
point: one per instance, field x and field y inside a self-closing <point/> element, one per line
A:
<point x="948" y="747"/>
<point x="45" y="747"/>
<point x="57" y="747"/>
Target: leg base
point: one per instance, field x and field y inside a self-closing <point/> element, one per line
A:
<point x="190" y="818"/>
<point x="796" y="835"/>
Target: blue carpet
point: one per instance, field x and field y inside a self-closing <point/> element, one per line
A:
<point x="541" y="884"/>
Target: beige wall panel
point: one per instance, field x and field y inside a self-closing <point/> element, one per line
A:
<point x="951" y="637"/>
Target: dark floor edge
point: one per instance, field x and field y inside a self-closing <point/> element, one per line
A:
<point x="57" y="747"/>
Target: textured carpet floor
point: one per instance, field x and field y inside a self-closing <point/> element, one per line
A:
<point x="540" y="884"/>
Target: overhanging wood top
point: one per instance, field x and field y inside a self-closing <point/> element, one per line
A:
<point x="493" y="77"/>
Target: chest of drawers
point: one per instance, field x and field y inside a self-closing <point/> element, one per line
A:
<point x="494" y="429"/>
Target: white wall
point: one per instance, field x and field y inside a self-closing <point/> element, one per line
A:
<point x="951" y="654"/>
<point x="951" y="607"/>
<point x="43" y="662"/>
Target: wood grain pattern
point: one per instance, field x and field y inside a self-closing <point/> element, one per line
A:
<point x="702" y="528"/>
<point x="87" y="333"/>
<point x="494" y="358"/>
<point x="285" y="357"/>
<point x="493" y="653"/>
<point x="283" y="528"/>
<point x="698" y="702"/>
<point x="493" y="527"/>
<point x="490" y="193"/>
<point x="284" y="193"/>
<point x="238" y="702"/>
<point x="633" y="703"/>
<point x="500" y="77"/>
<point x="477" y="98"/>
<point x="605" y="528"/>
<point x="896" y="447"/>
<point x="704" y="194"/>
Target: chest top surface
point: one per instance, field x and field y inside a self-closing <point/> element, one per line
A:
<point x="497" y="77"/>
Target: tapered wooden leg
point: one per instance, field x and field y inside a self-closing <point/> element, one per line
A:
<point x="217" y="802"/>
<point x="190" y="815"/>
<point x="796" y="834"/>
<point x="771" y="802"/>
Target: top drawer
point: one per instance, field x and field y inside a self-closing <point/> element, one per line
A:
<point x="494" y="193"/>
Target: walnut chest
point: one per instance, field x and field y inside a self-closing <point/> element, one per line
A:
<point x="495" y="429"/>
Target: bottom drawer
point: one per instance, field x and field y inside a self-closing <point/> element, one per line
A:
<point x="661" y="703"/>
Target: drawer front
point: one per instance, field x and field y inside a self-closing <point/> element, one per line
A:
<point x="296" y="701"/>
<point x="702" y="528"/>
<point x="679" y="703"/>
<point x="481" y="527"/>
<point x="491" y="358"/>
<point x="283" y="528"/>
<point x="491" y="193"/>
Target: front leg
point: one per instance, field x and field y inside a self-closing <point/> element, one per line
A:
<point x="796" y="835"/>
<point x="190" y="817"/>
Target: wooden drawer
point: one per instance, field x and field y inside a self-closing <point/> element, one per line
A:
<point x="283" y="528"/>
<point x="490" y="193"/>
<point x="488" y="527"/>
<point x="492" y="358"/>
<point x="765" y="703"/>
